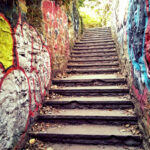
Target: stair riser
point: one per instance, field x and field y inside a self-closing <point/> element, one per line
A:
<point x="93" y="39"/>
<point x="90" y="83"/>
<point x="97" y="37"/>
<point x="88" y="93"/>
<point x="97" y="33"/>
<point x="98" y="44"/>
<point x="94" y="48"/>
<point x="99" y="65"/>
<point x="91" y="67"/>
<point x="108" y="32"/>
<point x="89" y="105"/>
<point x="95" y="55"/>
<point x="89" y="139"/>
<point x="85" y="61"/>
<point x="91" y="94"/>
<point x="93" y="52"/>
<point x="111" y="58"/>
<point x="89" y="120"/>
<point x="94" y="42"/>
<point x="93" y="64"/>
<point x="97" y="30"/>
<point x="93" y="72"/>
<point x="88" y="36"/>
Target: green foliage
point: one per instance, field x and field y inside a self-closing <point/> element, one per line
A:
<point x="95" y="12"/>
<point x="90" y="21"/>
<point x="80" y="2"/>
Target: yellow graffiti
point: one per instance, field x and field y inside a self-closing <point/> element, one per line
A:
<point x="6" y="43"/>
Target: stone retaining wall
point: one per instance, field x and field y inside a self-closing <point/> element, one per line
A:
<point x="131" y="30"/>
<point x="34" y="46"/>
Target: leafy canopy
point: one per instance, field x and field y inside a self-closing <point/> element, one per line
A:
<point x="95" y="12"/>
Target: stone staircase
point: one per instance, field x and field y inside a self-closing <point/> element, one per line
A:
<point x="91" y="108"/>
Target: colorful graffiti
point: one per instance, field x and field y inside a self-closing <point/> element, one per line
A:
<point x="136" y="27"/>
<point x="138" y="40"/>
<point x="6" y="42"/>
<point x="25" y="74"/>
<point x="56" y="27"/>
<point x="139" y="52"/>
<point x="26" y="54"/>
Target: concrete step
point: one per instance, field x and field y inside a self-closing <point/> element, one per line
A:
<point x="94" y="44"/>
<point x="96" y="66"/>
<point x="95" y="48"/>
<point x="94" y="51"/>
<point x="87" y="134"/>
<point x="97" y="28"/>
<point x="91" y="91"/>
<point x="95" y="32"/>
<point x="100" y="35"/>
<point x="93" y="55"/>
<point x="93" y="71"/>
<point x="98" y="32"/>
<point x="94" y="41"/>
<point x="86" y="147"/>
<point x="76" y="65"/>
<point x="92" y="102"/>
<point x="93" y="60"/>
<point x="111" y="58"/>
<point x="88" y="116"/>
<point x="88" y="82"/>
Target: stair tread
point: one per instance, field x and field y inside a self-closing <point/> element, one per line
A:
<point x="91" y="99"/>
<point x="87" y="80"/>
<point x="95" y="59"/>
<point x="94" y="47"/>
<point x="86" y="130"/>
<point x="97" y="69"/>
<point x="90" y="42"/>
<point x="94" y="39"/>
<point x="90" y="113"/>
<point x="93" y="77"/>
<point x="94" y="55"/>
<point x="98" y="44"/>
<point x="88" y="147"/>
<point x="93" y="51"/>
<point x="92" y="87"/>
<point x="95" y="63"/>
<point x="91" y="70"/>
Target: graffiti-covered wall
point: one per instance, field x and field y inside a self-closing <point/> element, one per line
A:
<point x="59" y="31"/>
<point x="131" y="25"/>
<point x="34" y="38"/>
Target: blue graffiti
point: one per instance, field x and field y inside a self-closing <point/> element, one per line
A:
<point x="136" y="28"/>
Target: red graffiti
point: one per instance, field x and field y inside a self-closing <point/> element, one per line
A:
<point x="30" y="74"/>
<point x="147" y="40"/>
<point x="56" y="27"/>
